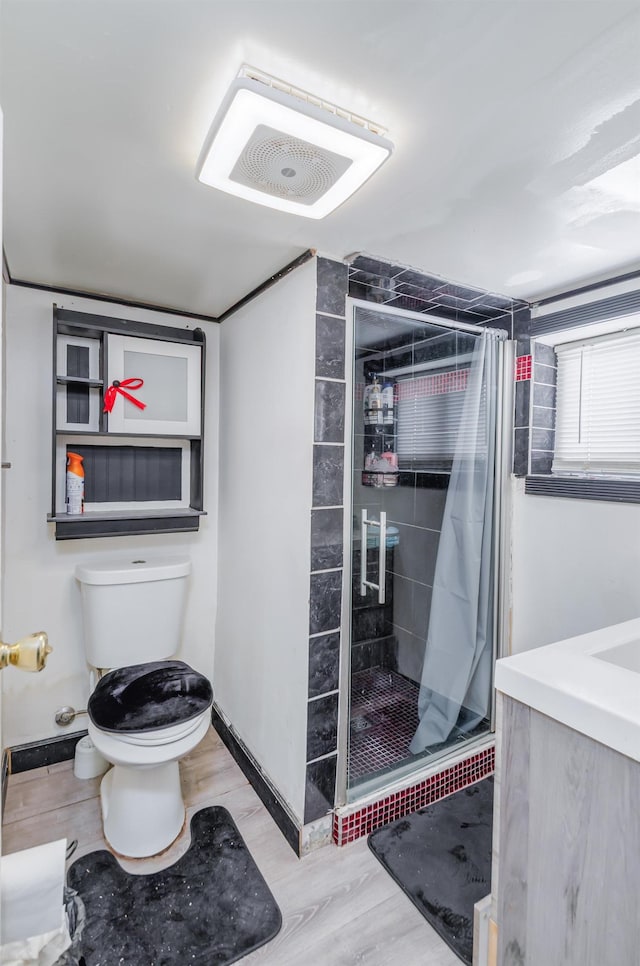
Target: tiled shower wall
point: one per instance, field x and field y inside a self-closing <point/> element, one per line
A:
<point x="386" y="284"/>
<point x="327" y="515"/>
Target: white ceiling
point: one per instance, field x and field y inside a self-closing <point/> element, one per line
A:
<point x="516" y="126"/>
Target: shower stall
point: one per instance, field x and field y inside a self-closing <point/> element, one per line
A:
<point x="427" y="463"/>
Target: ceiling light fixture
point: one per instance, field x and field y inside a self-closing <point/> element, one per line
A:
<point x="282" y="147"/>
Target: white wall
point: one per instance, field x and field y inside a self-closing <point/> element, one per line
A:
<point x="40" y="592"/>
<point x="576" y="567"/>
<point x="266" y="460"/>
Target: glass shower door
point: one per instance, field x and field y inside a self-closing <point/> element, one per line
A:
<point x="412" y="380"/>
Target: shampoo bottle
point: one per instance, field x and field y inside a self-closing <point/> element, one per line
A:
<point x="75" y="483"/>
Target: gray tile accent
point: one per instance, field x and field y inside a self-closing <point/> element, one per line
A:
<point x="543" y="417"/>
<point x="541" y="462"/>
<point x="330" y="347"/>
<point x="327" y="537"/>
<point x="377" y="281"/>
<point x="329" y="412"/>
<point x="322" y="726"/>
<point x="544" y="396"/>
<point x="522" y="325"/>
<point x="545" y="354"/>
<point x="324" y="662"/>
<point x="521" y="452"/>
<point x="320" y="793"/>
<point x="325" y="604"/>
<point x="547" y="375"/>
<point x="542" y="439"/>
<point x="522" y="402"/>
<point x="332" y="286"/>
<point x="328" y="475"/>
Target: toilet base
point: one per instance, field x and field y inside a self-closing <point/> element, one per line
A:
<point x="142" y="808"/>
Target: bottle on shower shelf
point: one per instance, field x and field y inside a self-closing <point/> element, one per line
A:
<point x="387" y="403"/>
<point x="373" y="403"/>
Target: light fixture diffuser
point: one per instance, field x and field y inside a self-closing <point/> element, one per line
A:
<point x="288" y="150"/>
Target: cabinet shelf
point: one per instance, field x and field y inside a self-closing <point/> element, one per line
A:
<point x="145" y="472"/>
<point x="125" y="514"/>
<point x="79" y="381"/>
<point x="125" y="523"/>
<point x="104" y="434"/>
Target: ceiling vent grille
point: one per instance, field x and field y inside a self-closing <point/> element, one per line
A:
<point x="286" y="167"/>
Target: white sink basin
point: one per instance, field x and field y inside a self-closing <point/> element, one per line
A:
<point x="624" y="655"/>
<point x="590" y="683"/>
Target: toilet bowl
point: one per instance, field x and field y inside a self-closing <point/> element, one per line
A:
<point x="143" y="717"/>
<point x="141" y="799"/>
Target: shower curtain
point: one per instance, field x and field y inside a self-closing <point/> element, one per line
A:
<point x="456" y="673"/>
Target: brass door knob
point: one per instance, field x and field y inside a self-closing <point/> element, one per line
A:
<point x="29" y="653"/>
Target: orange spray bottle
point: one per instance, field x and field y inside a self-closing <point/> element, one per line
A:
<point x="75" y="483"/>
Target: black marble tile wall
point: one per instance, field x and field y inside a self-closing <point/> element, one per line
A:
<point x="543" y="412"/>
<point x="327" y="553"/>
<point x="320" y="787"/>
<point x="328" y="475"/>
<point x="521" y="451"/>
<point x="322" y="726"/>
<point x="325" y="603"/>
<point x="329" y="412"/>
<point x="522" y="404"/>
<point x="331" y="287"/>
<point x="324" y="663"/>
<point x="330" y="336"/>
<point x="378" y="281"/>
<point x="327" y="538"/>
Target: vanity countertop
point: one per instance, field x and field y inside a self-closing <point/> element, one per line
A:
<point x="590" y="683"/>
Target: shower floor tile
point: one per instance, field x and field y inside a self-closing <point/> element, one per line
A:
<point x="383" y="720"/>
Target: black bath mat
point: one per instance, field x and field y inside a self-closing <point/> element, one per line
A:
<point x="208" y="909"/>
<point x="441" y="857"/>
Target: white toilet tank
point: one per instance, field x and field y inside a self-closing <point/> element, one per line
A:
<point x="132" y="608"/>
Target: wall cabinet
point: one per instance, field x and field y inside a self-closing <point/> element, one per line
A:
<point x="129" y="398"/>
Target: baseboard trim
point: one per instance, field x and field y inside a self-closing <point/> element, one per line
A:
<point x="263" y="788"/>
<point x="47" y="751"/>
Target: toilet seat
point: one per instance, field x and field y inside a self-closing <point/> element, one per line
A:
<point x="126" y="750"/>
<point x="163" y="736"/>
<point x="151" y="698"/>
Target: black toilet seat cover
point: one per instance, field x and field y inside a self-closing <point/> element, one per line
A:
<point x="147" y="697"/>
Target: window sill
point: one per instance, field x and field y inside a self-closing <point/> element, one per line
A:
<point x="608" y="489"/>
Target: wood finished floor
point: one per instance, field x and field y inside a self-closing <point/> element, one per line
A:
<point x="339" y="906"/>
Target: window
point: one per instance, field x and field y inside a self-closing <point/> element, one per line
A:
<point x="598" y="406"/>
<point x="431" y="427"/>
<point x="595" y="409"/>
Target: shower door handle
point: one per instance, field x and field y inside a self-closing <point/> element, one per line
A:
<point x="382" y="556"/>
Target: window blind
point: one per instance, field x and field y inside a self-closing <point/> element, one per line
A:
<point x="430" y="427"/>
<point x="598" y="406"/>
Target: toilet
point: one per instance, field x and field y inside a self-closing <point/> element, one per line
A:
<point x="147" y="710"/>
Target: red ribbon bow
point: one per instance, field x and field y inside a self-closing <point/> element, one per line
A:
<point x="117" y="387"/>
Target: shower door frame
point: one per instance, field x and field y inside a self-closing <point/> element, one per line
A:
<point x="501" y="541"/>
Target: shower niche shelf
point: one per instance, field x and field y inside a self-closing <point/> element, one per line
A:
<point x="143" y="464"/>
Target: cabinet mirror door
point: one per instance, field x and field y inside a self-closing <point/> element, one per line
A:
<point x="170" y="388"/>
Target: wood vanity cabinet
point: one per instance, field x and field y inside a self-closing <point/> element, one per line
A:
<point x="143" y="465"/>
<point x="568" y="869"/>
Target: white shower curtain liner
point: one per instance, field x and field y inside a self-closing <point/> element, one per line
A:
<point x="456" y="673"/>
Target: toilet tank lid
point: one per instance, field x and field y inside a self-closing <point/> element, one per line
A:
<point x="133" y="569"/>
